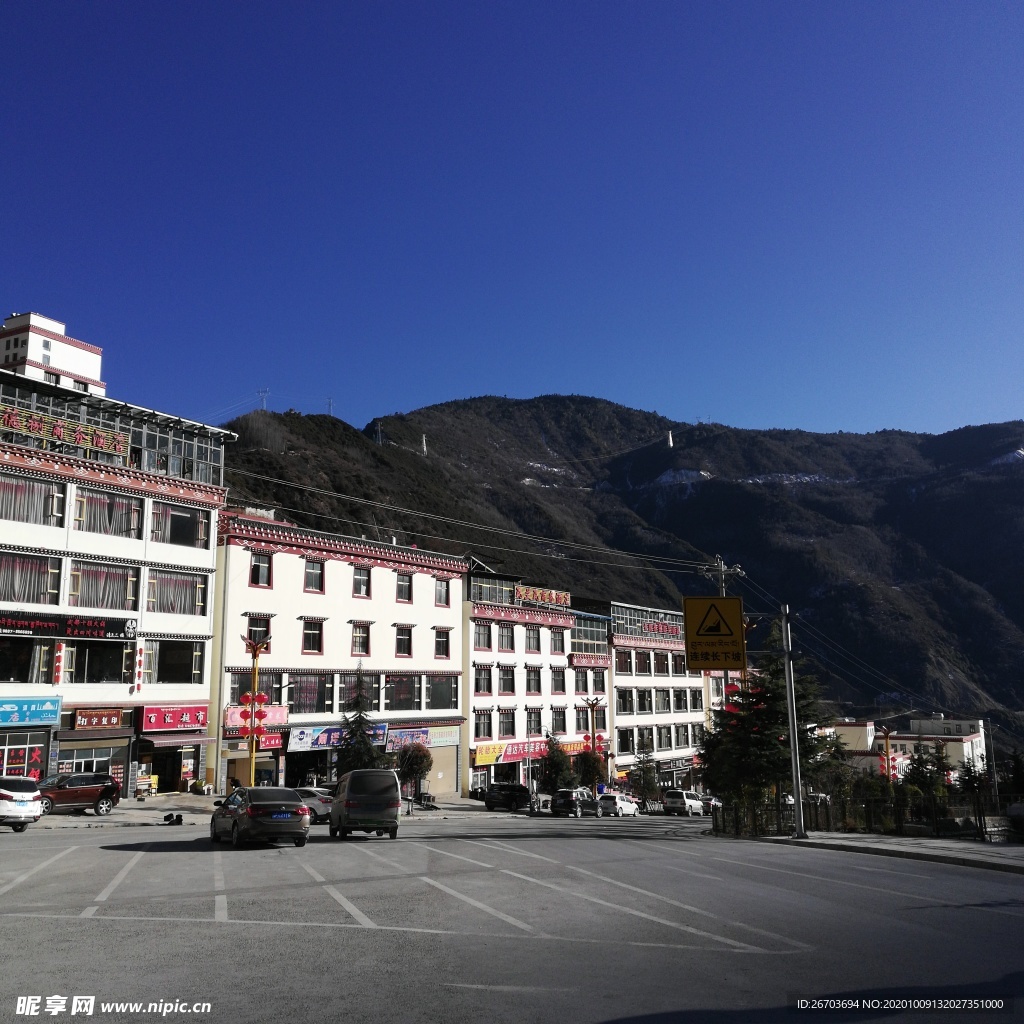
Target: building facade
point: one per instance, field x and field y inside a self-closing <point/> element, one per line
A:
<point x="334" y="607"/>
<point x="109" y="514"/>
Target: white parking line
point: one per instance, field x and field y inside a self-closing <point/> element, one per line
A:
<point x="491" y="844"/>
<point x="120" y="876"/>
<point x="220" y="900"/>
<point x="39" y="867"/>
<point x="337" y="897"/>
<point x="469" y="860"/>
<point x="476" y="903"/>
<point x="508" y="988"/>
<point x="385" y="860"/>
<point x="735" y="946"/>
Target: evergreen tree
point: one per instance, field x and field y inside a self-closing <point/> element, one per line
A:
<point x="590" y="768"/>
<point x="643" y="776"/>
<point x="355" y="747"/>
<point x="556" y="769"/>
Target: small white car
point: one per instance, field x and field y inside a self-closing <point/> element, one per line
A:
<point x="678" y="801"/>
<point x="618" y="805"/>
<point x="20" y="803"/>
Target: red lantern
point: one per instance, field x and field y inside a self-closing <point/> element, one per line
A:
<point x="246" y="698"/>
<point x="261" y="698"/>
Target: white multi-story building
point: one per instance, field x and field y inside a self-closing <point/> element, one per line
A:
<point x="334" y="607"/>
<point x="106" y="557"/>
<point x="523" y="681"/>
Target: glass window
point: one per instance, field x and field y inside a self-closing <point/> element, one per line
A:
<point x="30" y="579"/>
<point x="533" y="722"/>
<point x="482" y="725"/>
<point x="682" y="735"/>
<point x="506" y="679"/>
<point x="491" y="589"/>
<point x="624" y="703"/>
<point x="403" y="587"/>
<point x="661" y="701"/>
<point x="310" y="694"/>
<point x="442" y="692"/>
<point x="96" y="585"/>
<point x="314" y="577"/>
<point x="581" y="680"/>
<point x="361" y="581"/>
<point x="679" y="700"/>
<point x="661" y="663"/>
<point x="558" y="641"/>
<point x="176" y="524"/>
<point x="533" y="680"/>
<point x="401" y="693"/>
<point x="506" y="637"/>
<point x="360" y="638"/>
<point x="173" y="661"/>
<point x="558" y="720"/>
<point x="482" y="679"/>
<point x="31" y="501"/>
<point x="259" y="571"/>
<point x="442" y="593"/>
<point x="482" y="636"/>
<point x="442" y="644"/>
<point x="403" y="641"/>
<point x="176" y="593"/>
<point x="624" y="741"/>
<point x="664" y="737"/>
<point x="558" y="680"/>
<point x="533" y="639"/>
<point x="644" y="704"/>
<point x="312" y="637"/>
<point x="258" y="629"/>
<point x="116" y="515"/>
<point x="98" y="661"/>
<point x="678" y="665"/>
<point x="506" y="723"/>
<point x="600" y="719"/>
<point x="696" y="700"/>
<point x="624" y="661"/>
<point x="583" y="720"/>
<point x="599" y="680"/>
<point x="643" y="663"/>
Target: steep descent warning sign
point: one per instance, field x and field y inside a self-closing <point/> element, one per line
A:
<point x="713" y="630"/>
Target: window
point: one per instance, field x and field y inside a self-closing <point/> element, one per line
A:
<point x="533" y="680"/>
<point x="660" y="663"/>
<point x="173" y="661"/>
<point x="482" y="725"/>
<point x="310" y="694"/>
<point x="533" y="721"/>
<point x="558" y="720"/>
<point x="116" y="515"/>
<point x="29" y="579"/>
<point x="679" y="700"/>
<point x="312" y="636"/>
<point x="31" y="501"/>
<point x="348" y="683"/>
<point x="600" y="719"/>
<point x="624" y="661"/>
<point x="482" y="636"/>
<point x="696" y="700"/>
<point x="98" y="661"/>
<point x="678" y="665"/>
<point x="491" y="590"/>
<point x="258" y="629"/>
<point x="175" y="524"/>
<point x="506" y="637"/>
<point x="624" y="704"/>
<point x="482" y="679"/>
<point x="558" y="641"/>
<point x="177" y="593"/>
<point x="259" y="571"/>
<point x="51" y="378"/>
<point x="682" y="735"/>
<point x="599" y="680"/>
<point x="25" y="660"/>
<point x="401" y="693"/>
<point x="403" y="641"/>
<point x="361" y="581"/>
<point x="643" y="663"/>
<point x="558" y="680"/>
<point x="624" y="741"/>
<point x="506" y="680"/>
<point x="442" y="644"/>
<point x="94" y="585"/>
<point x="442" y="593"/>
<point x="645" y="737"/>
<point x="403" y="587"/>
<point x="698" y="734"/>
<point x="442" y="693"/>
<point x="661" y="701"/>
<point x="506" y="723"/>
<point x="581" y="680"/>
<point x="360" y="638"/>
<point x="313" y="581"/>
<point x="583" y="720"/>
<point x="643" y="702"/>
<point x="80" y="385"/>
<point x="664" y="737"/>
<point x="533" y="639"/>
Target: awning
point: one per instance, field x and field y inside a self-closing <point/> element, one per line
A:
<point x="89" y="735"/>
<point x="178" y="739"/>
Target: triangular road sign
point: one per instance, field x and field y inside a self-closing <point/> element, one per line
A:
<point x="714" y="624"/>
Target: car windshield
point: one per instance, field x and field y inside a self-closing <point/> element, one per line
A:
<point x="273" y="795"/>
<point x="54" y="780"/>
<point x="13" y="784"/>
<point x="564" y="792"/>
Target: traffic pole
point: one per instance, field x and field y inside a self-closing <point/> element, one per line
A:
<point x="794" y="742"/>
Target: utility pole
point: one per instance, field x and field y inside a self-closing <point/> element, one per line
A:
<point x="794" y="736"/>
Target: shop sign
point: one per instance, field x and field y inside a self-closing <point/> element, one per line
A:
<point x="540" y="595"/>
<point x="30" y="711"/>
<point x="53" y="428"/>
<point x="510" y="753"/>
<point x="277" y="714"/>
<point x="398" y="738"/>
<point x="444" y="736"/>
<point x="663" y="628"/>
<point x="160" y="719"/>
<point x="488" y="753"/>
<point x="321" y="737"/>
<point x="271" y="741"/>
<point x="99" y="718"/>
<point x="93" y="627"/>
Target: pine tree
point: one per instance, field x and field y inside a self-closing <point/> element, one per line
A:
<point x="556" y="769"/>
<point x="355" y="747"/>
<point x="643" y="776"/>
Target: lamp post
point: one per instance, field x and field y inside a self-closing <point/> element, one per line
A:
<point x="254" y="712"/>
<point x="592" y="704"/>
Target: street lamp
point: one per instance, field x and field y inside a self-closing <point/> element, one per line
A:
<point x="592" y="704"/>
<point x="254" y="700"/>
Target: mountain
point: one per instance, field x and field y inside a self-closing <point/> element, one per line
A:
<point x="898" y="553"/>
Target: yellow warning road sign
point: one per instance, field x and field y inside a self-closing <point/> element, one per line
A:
<point x="714" y="634"/>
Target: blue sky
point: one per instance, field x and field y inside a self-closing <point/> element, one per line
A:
<point x="803" y="215"/>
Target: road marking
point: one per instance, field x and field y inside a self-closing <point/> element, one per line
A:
<point x="675" y="848"/>
<point x="385" y="860"/>
<point x="363" y="920"/>
<point x="39" y="867"/>
<point x="688" y="871"/>
<point x="89" y="911"/>
<point x="507" y="988"/>
<point x="220" y="900"/>
<point x="739" y="947"/>
<point x="469" y="860"/>
<point x="476" y="903"/>
<point x="691" y="909"/>
<point x="491" y="844"/>
<point x="120" y="876"/>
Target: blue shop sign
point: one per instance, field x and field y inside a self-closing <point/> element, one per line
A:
<point x="30" y="711"/>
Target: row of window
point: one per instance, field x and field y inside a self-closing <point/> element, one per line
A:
<point x="312" y="693"/>
<point x="646" y="702"/>
<point x="645" y="663"/>
<point x="658" y="738"/>
<point x="483" y="722"/>
<point x="483" y="635"/>
<point x="313" y="637"/>
<point x="36" y="579"/>
<point x="42" y="502"/>
<point x="261" y="574"/>
<point x="483" y="680"/>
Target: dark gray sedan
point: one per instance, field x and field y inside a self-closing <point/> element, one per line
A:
<point x="575" y="802"/>
<point x="261" y="813"/>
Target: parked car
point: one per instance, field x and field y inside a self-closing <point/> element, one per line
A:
<point x="709" y="802"/>
<point x="260" y="812"/>
<point x="78" y="792"/>
<point x="366" y="800"/>
<point x="575" y="802"/>
<point x="318" y="800"/>
<point x="618" y="805"/>
<point x="678" y="801"/>
<point x="20" y="802"/>
<point x="510" y="795"/>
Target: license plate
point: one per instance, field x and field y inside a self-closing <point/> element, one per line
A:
<point x="22" y="803"/>
<point x="281" y="814"/>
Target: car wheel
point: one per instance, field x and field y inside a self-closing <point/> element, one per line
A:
<point x="393" y="833"/>
<point x="301" y="841"/>
<point x="104" y="806"/>
<point x="20" y="827"/>
<point x="577" y="812"/>
<point x="46" y="805"/>
<point x="236" y="839"/>
<point x="598" y="812"/>
<point x="214" y="837"/>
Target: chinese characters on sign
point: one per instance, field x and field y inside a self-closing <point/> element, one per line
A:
<point x="714" y="633"/>
<point x="53" y="429"/>
<point x="192" y="716"/>
<point x="99" y="718"/>
<point x="94" y="627"/>
<point x="539" y="595"/>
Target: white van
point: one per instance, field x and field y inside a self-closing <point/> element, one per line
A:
<point x="366" y="800"/>
<point x="679" y="801"/>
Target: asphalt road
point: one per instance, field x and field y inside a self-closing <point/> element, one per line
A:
<point x="500" y="920"/>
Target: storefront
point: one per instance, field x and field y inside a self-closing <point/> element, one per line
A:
<point x="172" y="747"/>
<point x="270" y="748"/>
<point x="96" y="739"/>
<point x="26" y="725"/>
<point x="443" y="743"/>
<point x="514" y="761"/>
<point x="312" y="752"/>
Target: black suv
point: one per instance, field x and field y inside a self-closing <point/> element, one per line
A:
<point x="509" y="795"/>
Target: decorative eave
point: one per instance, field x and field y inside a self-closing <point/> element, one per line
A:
<point x="658" y="642"/>
<point x="589" y="661"/>
<point x="88" y="556"/>
<point x="521" y="613"/>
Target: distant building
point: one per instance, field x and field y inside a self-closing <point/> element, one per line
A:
<point x="35" y="346"/>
